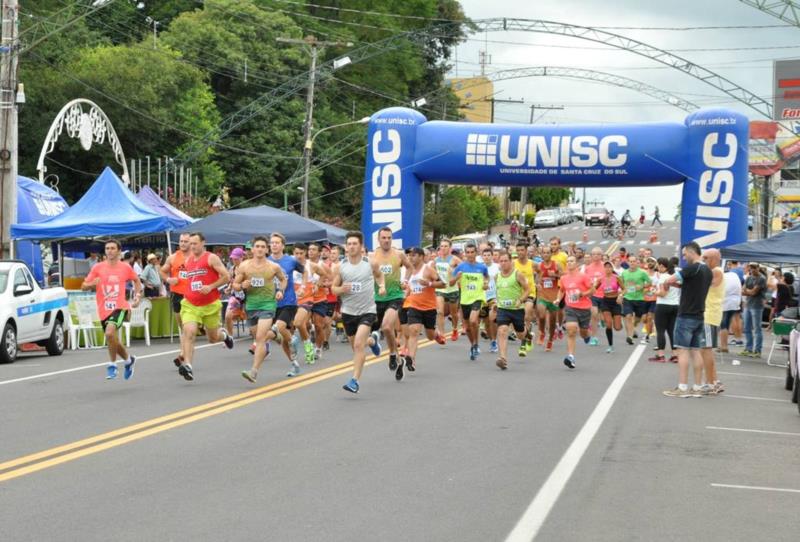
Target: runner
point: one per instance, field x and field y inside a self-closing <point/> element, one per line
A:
<point x="512" y="293"/>
<point x="257" y="277"/>
<point x="331" y="301"/>
<point x="319" y="300"/>
<point x="420" y="304"/>
<point x="547" y="300"/>
<point x="354" y="282"/>
<point x="488" y="312"/>
<point x="389" y="260"/>
<point x="305" y="285"/>
<point x="596" y="271"/>
<point x="649" y="297"/>
<point x="576" y="289"/>
<point x="527" y="268"/>
<point x="560" y="257"/>
<point x="634" y="281"/>
<point x="205" y="273"/>
<point x="287" y="306"/>
<point x="109" y="279"/>
<point x="610" y="287"/>
<point x="447" y="297"/>
<point x="234" y="310"/>
<point x="473" y="279"/>
<point x="173" y="272"/>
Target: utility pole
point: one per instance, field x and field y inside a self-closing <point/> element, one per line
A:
<point x="9" y="45"/>
<point x="493" y="101"/>
<point x="524" y="191"/>
<point x="312" y="46"/>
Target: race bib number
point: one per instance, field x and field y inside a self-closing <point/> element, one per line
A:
<point x="506" y="303"/>
<point x="442" y="269"/>
<point x="196" y="285"/>
<point x="609" y="289"/>
<point x="472" y="286"/>
<point x="574" y="297"/>
<point x="547" y="283"/>
<point x="257" y="282"/>
<point x="416" y="288"/>
<point x="111" y="305"/>
<point x="183" y="275"/>
<point x="386" y="269"/>
<point x="355" y="287"/>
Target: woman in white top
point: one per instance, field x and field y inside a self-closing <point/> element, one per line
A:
<point x="731" y="307"/>
<point x="666" y="311"/>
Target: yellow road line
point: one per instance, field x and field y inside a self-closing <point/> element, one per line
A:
<point x="611" y="248"/>
<point x="154" y="426"/>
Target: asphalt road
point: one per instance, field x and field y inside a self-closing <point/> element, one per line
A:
<point x="457" y="451"/>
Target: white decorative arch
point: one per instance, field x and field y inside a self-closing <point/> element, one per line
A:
<point x="89" y="128"/>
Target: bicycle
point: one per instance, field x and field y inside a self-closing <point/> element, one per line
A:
<point x="625" y="229"/>
<point x="608" y="230"/>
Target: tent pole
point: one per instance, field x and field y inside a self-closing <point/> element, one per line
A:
<point x="60" y="265"/>
<point x="169" y="244"/>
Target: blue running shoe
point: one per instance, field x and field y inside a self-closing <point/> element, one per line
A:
<point x="295" y="369"/>
<point x="351" y="386"/>
<point x="129" y="368"/>
<point x="493" y="348"/>
<point x="111" y="372"/>
<point x="376" y="346"/>
<point x="295" y="345"/>
<point x="593" y="341"/>
<point x="472" y="354"/>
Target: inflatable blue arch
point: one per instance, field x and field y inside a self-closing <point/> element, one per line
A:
<point x="707" y="153"/>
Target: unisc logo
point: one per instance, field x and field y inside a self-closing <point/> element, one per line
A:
<point x="585" y="151"/>
<point x="386" y="183"/>
<point x="715" y="190"/>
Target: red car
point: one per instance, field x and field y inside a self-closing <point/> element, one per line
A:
<point x="598" y="215"/>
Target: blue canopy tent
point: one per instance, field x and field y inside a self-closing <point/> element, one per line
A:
<point x="108" y="208"/>
<point x="783" y="247"/>
<point x="35" y="202"/>
<point x="177" y="218"/>
<point x="237" y="226"/>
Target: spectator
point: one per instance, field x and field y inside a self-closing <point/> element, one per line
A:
<point x="666" y="312"/>
<point x="755" y="286"/>
<point x="93" y="259"/>
<point x="731" y="307"/>
<point x="151" y="278"/>
<point x="783" y="296"/>
<point x="656" y="217"/>
<point x="136" y="263"/>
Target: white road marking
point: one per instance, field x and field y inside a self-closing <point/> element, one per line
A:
<point x="630" y="242"/>
<point x="642" y="242"/>
<point x="605" y="242"/>
<point x="753" y="376"/>
<point x="535" y="515"/>
<point x="670" y="243"/>
<point x="757" y="488"/>
<point x="761" y="431"/>
<point x="590" y="242"/>
<point x="755" y="398"/>
<point x="103" y="364"/>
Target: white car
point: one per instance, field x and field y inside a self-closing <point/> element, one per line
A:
<point x="28" y="313"/>
<point x="546" y="217"/>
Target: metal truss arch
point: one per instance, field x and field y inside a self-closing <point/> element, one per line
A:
<point x="785" y="10"/>
<point x="88" y="127"/>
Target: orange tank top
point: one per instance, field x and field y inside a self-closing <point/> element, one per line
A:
<point x="421" y="298"/>
<point x="178" y="271"/>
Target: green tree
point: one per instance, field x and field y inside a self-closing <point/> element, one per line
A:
<point x="542" y="196"/>
<point x="461" y="210"/>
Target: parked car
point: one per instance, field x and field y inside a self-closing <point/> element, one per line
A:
<point x="546" y="217"/>
<point x="598" y="215"/>
<point x="28" y="313"/>
<point x="576" y="210"/>
<point x="460" y="241"/>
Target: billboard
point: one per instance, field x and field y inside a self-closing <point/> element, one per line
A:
<point x="773" y="145"/>
<point x="786" y="90"/>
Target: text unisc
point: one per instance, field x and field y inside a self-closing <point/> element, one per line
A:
<point x="387" y="181"/>
<point x="583" y="151"/>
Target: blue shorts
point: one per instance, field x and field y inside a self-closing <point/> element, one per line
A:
<point x="597" y="302"/>
<point x="689" y="332"/>
<point x="637" y="308"/>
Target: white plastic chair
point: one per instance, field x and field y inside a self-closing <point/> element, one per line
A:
<point x="140" y="317"/>
<point x="88" y="322"/>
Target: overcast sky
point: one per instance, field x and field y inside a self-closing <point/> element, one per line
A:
<point x="749" y="65"/>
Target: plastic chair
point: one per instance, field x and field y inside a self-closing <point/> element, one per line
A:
<point x="140" y="317"/>
<point x="88" y="322"/>
<point x="781" y="328"/>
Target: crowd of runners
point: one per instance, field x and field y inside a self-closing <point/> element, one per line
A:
<point x="531" y="295"/>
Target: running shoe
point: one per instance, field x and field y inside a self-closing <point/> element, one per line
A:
<point x="706" y="389"/>
<point x="228" y="340"/>
<point x="569" y="361"/>
<point x="266" y="349"/>
<point x="635" y="335"/>
<point x="477" y="350"/>
<point x="351" y="386"/>
<point x="593" y="341"/>
<point x="399" y="373"/>
<point x="252" y="349"/>
<point x="719" y="387"/>
<point x="549" y="347"/>
<point x="326" y="346"/>
<point x="186" y="372"/>
<point x="610" y="350"/>
<point x="657" y="359"/>
<point x="472" y="355"/>
<point x="756" y="354"/>
<point x="278" y="339"/>
<point x="439" y="339"/>
<point x="493" y="347"/>
<point x="502" y="363"/>
<point x="528" y="346"/>
<point x="746" y="353"/>
<point x="393" y="362"/>
<point x="454" y="336"/>
<point x="522" y="351"/>
<point x="629" y="340"/>
<point x="512" y="336"/>
<point x="250" y="376"/>
<point x="178" y="361"/>
<point x="376" y="347"/>
<point x="683" y="394"/>
<point x="111" y="372"/>
<point x="309" y="350"/>
<point x="294" y="370"/>
<point x="294" y="345"/>
<point x="540" y="341"/>
<point x="410" y="365"/>
<point x="673" y="359"/>
<point x="559" y="334"/>
<point x="484" y="335"/>
<point x="644" y="340"/>
<point x="129" y="368"/>
<point x="587" y="340"/>
<point x="317" y="355"/>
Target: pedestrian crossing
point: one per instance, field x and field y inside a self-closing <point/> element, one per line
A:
<point x="629" y="242"/>
<point x="643" y="228"/>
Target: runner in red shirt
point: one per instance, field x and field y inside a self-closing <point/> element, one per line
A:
<point x="595" y="271"/>
<point x="109" y="279"/>
<point x="576" y="289"/>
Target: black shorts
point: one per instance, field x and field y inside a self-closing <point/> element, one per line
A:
<point x="286" y="314"/>
<point x="320" y="308"/>
<point x="403" y="314"/>
<point x="426" y="318"/>
<point x="487" y="307"/>
<point x="330" y="310"/>
<point x="449" y="297"/>
<point x="609" y="304"/>
<point x="352" y="322"/>
<point x="466" y="310"/>
<point x="383" y="306"/>
<point x="117" y="318"/>
<point x="507" y="317"/>
<point x="176" y="299"/>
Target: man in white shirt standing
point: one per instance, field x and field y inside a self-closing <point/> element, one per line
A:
<point x="731" y="307"/>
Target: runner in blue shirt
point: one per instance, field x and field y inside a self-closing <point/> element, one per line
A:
<point x="287" y="307"/>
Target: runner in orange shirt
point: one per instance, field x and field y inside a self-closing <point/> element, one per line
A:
<point x="173" y="273"/>
<point x="421" y="282"/>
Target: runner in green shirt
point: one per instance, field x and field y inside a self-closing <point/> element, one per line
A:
<point x="634" y="281"/>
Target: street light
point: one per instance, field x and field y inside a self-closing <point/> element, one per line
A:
<point x="308" y="146"/>
<point x="286" y="196"/>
